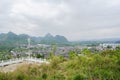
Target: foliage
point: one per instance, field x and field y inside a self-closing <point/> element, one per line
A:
<point x="39" y="56"/>
<point x="102" y="66"/>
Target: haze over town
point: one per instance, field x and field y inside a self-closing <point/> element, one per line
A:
<point x="75" y="19"/>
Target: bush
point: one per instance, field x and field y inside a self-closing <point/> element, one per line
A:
<point x="44" y="76"/>
<point x="102" y="66"/>
<point x="79" y="77"/>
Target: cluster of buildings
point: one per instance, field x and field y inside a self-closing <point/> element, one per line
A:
<point x="107" y="46"/>
<point x="45" y="50"/>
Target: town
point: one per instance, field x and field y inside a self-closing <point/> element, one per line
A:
<point x="44" y="50"/>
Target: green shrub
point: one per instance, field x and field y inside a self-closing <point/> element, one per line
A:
<point x="79" y="77"/>
<point x="44" y="76"/>
<point x="102" y="66"/>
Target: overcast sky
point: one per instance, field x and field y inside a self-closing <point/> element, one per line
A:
<point x="75" y="19"/>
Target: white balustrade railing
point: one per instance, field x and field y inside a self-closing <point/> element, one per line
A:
<point x="19" y="60"/>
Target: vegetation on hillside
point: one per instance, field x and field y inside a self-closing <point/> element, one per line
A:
<point x="10" y="40"/>
<point x="104" y="65"/>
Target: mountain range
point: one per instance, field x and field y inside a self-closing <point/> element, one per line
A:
<point x="11" y="39"/>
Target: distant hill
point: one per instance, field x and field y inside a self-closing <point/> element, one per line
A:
<point x="49" y="39"/>
<point x="111" y="39"/>
<point x="117" y="41"/>
<point x="106" y="40"/>
<point x="10" y="39"/>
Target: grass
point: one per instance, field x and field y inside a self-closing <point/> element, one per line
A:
<point x="102" y="66"/>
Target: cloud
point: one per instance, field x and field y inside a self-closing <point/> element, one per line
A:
<point x="75" y="19"/>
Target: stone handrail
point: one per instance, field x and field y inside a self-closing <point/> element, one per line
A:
<point x="30" y="59"/>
